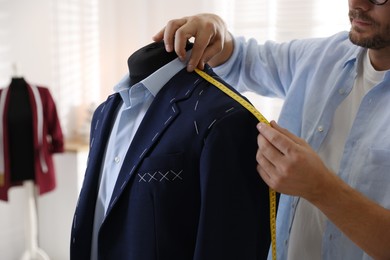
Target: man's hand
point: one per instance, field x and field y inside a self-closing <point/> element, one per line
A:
<point x="212" y="42"/>
<point x="288" y="164"/>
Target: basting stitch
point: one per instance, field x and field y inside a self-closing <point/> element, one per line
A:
<point x="132" y="169"/>
<point x="212" y="123"/>
<point x="173" y="109"/>
<point x="201" y="92"/>
<point x="143" y="152"/>
<point x="167" y="120"/>
<point x="123" y="185"/>
<point x="196" y="105"/>
<point x="196" y="128"/>
<point x="97" y="123"/>
<point x="155" y="136"/>
<point x="230" y="109"/>
<point x="173" y="99"/>
<point x="113" y="202"/>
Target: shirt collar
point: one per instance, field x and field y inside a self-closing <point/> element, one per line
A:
<point x="157" y="79"/>
<point x="355" y="55"/>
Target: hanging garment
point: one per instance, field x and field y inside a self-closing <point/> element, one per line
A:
<point x="47" y="139"/>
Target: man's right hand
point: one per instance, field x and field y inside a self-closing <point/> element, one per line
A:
<point x="213" y="44"/>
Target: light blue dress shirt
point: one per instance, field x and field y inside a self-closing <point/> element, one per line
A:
<point x="136" y="100"/>
<point x="314" y="76"/>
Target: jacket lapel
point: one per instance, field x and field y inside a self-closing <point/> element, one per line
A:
<point x="102" y="124"/>
<point x="161" y="114"/>
<point x="158" y="117"/>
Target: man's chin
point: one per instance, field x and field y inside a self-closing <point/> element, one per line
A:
<point x="357" y="39"/>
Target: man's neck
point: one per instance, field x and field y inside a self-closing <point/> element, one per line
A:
<point x="380" y="59"/>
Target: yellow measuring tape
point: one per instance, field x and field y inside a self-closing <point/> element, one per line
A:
<point x="261" y="118"/>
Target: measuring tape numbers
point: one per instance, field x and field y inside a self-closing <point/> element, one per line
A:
<point x="261" y="118"/>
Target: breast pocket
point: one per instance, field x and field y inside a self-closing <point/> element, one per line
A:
<point x="162" y="169"/>
<point x="171" y="181"/>
<point x="168" y="170"/>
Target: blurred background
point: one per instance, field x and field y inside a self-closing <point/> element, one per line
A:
<point x="79" y="50"/>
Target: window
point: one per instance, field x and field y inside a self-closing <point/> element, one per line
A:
<point x="76" y="63"/>
<point x="282" y="20"/>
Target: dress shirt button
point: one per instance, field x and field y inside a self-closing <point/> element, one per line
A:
<point x="320" y="128"/>
<point x="341" y="91"/>
<point x="117" y="159"/>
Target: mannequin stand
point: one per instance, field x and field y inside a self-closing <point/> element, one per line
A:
<point x="32" y="252"/>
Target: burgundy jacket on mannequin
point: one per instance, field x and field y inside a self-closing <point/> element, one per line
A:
<point x="47" y="139"/>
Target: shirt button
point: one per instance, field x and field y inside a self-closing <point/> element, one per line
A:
<point x="117" y="159"/>
<point x="320" y="128"/>
<point x="341" y="91"/>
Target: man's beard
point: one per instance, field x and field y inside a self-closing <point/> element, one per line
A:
<point x="380" y="39"/>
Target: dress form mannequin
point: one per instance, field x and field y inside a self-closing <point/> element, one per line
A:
<point x="21" y="149"/>
<point x="148" y="59"/>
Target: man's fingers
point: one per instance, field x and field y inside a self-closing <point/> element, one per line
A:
<point x="279" y="137"/>
<point x="200" y="51"/>
<point x="159" y="36"/>
<point x="287" y="133"/>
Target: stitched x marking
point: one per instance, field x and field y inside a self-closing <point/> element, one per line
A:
<point x="177" y="175"/>
<point x="152" y="176"/>
<point x="160" y="176"/>
<point x="141" y="177"/>
<point x="164" y="176"/>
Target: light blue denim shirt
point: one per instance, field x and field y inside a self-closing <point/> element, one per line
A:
<point x="314" y="76"/>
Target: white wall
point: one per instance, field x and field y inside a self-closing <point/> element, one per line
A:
<point x="30" y="39"/>
<point x="129" y="25"/>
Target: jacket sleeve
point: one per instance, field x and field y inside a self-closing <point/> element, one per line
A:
<point x="234" y="216"/>
<point x="54" y="131"/>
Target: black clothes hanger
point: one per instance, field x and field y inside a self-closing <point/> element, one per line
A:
<point x="148" y="59"/>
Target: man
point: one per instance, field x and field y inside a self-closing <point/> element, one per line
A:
<point x="329" y="152"/>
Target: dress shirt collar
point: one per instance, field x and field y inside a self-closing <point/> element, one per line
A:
<point x="153" y="83"/>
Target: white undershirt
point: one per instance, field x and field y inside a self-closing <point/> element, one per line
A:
<point x="309" y="222"/>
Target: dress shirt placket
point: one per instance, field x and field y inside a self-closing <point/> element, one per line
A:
<point x="124" y="129"/>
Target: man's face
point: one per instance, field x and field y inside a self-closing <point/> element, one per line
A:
<point x="370" y="24"/>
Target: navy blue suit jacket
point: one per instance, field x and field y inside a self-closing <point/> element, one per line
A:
<point x="188" y="188"/>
